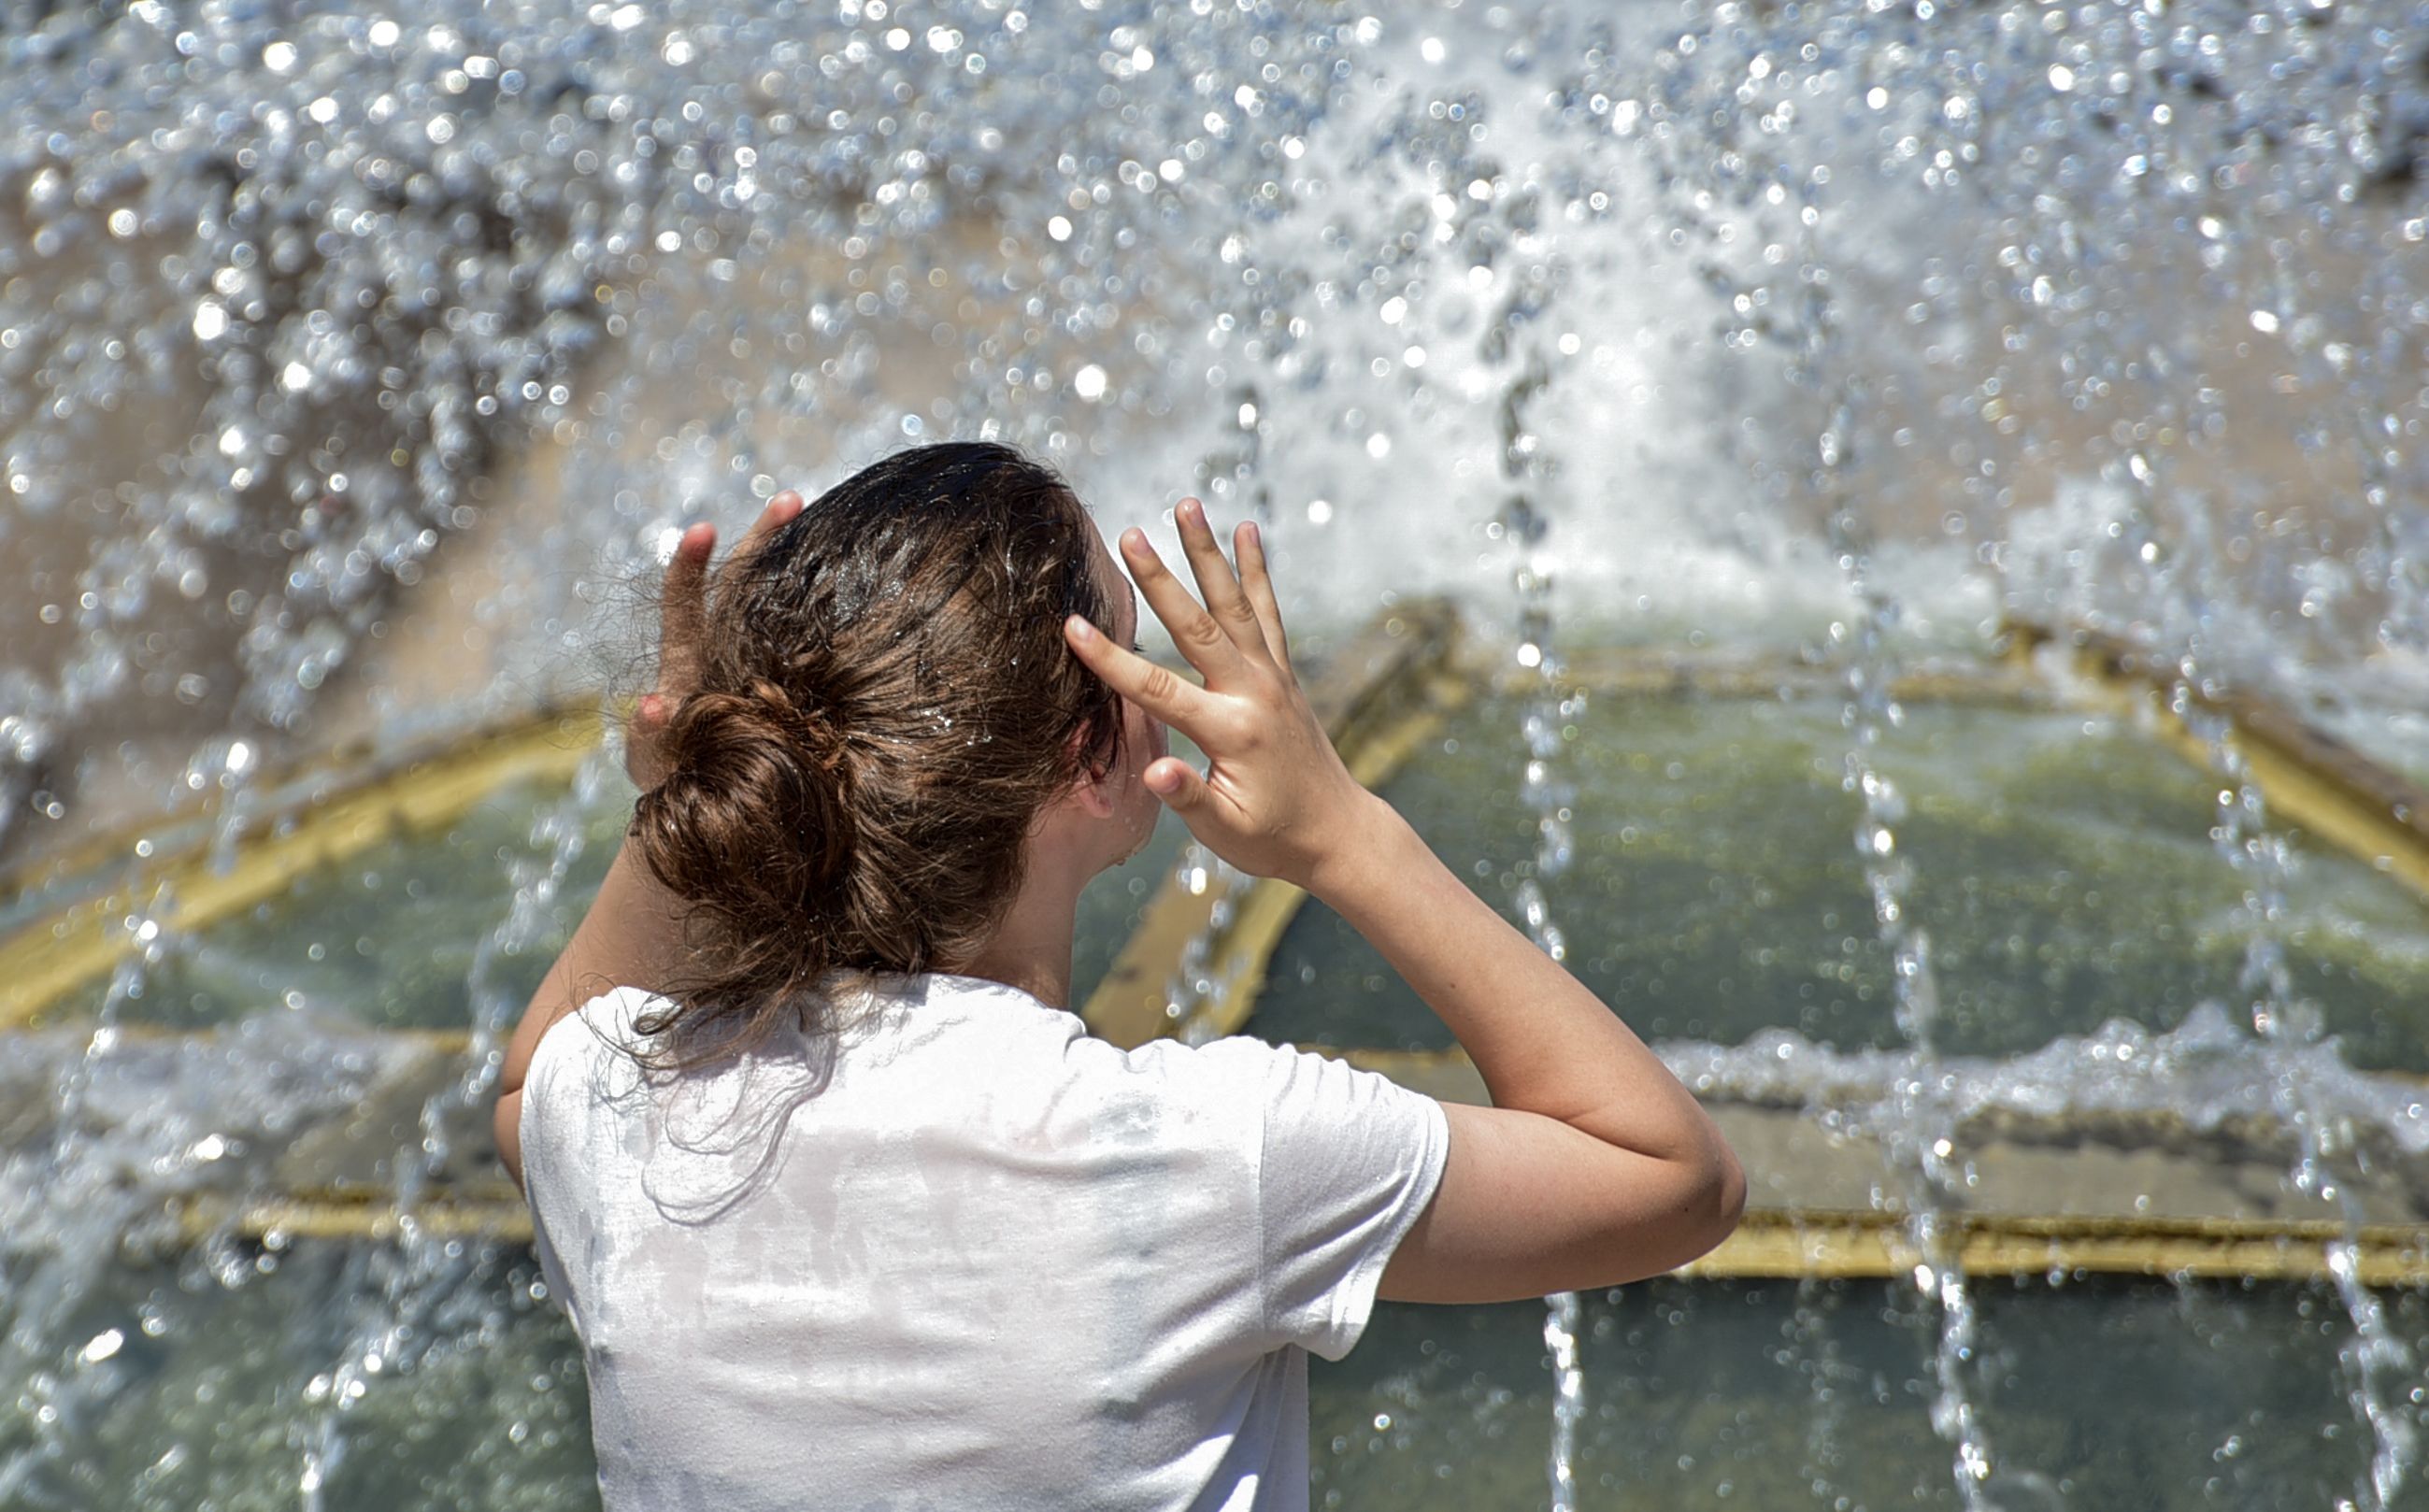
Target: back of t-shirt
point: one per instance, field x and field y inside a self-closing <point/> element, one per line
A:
<point x="958" y="1255"/>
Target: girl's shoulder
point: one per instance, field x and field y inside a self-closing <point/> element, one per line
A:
<point x="595" y="1042"/>
<point x="1281" y="1086"/>
<point x="610" y="1020"/>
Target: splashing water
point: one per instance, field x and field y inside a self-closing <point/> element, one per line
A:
<point x="2375" y="1359"/>
<point x="1514" y="337"/>
<point x="411" y="1282"/>
<point x="350" y="266"/>
<point x="1921" y="1143"/>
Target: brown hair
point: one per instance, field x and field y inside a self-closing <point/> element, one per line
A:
<point x="884" y="703"/>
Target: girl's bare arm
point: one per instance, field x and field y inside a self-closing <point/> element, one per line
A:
<point x="633" y="933"/>
<point x="1595" y="1166"/>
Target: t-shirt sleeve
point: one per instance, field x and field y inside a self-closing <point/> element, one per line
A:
<point x="1349" y="1161"/>
<point x="541" y="1125"/>
<point x="572" y="1064"/>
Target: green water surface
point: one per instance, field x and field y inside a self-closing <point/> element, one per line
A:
<point x="2062" y="869"/>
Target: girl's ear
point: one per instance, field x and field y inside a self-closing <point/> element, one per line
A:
<point x="1093" y="785"/>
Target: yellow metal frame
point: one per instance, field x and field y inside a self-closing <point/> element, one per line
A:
<point x="1858" y="1245"/>
<point x="2308" y="779"/>
<point x="48" y="959"/>
<point x="1770" y="1242"/>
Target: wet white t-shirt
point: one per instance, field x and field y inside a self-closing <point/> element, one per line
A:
<point x="960" y="1255"/>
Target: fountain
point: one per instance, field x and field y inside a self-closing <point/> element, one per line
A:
<point x="1959" y="412"/>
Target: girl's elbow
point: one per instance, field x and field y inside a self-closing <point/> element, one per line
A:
<point x="1729" y="1196"/>
<point x="505" y="1119"/>
<point x="1701" y="1200"/>
<point x="1718" y="1199"/>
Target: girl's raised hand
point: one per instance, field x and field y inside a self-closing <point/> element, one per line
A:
<point x="683" y="614"/>
<point x="1275" y="799"/>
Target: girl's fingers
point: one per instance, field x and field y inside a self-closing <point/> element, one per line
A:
<point x="1206" y="643"/>
<point x="1178" y="785"/>
<point x="1216" y="582"/>
<point x="642" y="760"/>
<point x="1151" y="688"/>
<point x="683" y="615"/>
<point x="1249" y="546"/>
<point x="682" y="600"/>
<point x="780" y="510"/>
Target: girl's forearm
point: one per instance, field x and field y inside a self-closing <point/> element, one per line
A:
<point x="631" y="937"/>
<point x="1542" y="1042"/>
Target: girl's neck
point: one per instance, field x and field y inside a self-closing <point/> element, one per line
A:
<point x="1031" y="948"/>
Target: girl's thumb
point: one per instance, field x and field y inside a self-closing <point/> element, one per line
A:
<point x="1181" y="790"/>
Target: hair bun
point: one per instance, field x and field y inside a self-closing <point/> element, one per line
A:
<point x="812" y="730"/>
<point x="755" y="816"/>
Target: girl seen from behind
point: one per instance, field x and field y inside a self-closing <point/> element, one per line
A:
<point x="846" y="1207"/>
